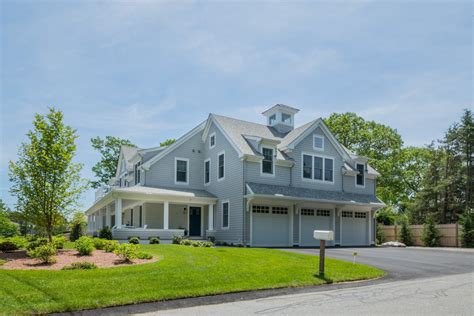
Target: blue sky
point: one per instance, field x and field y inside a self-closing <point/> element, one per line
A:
<point x="151" y="70"/>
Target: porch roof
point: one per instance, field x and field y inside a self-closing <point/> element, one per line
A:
<point x="326" y="196"/>
<point x="154" y="194"/>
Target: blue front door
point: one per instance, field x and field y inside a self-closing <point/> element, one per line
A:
<point x="194" y="221"/>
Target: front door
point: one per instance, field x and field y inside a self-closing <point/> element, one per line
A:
<point x="194" y="221"/>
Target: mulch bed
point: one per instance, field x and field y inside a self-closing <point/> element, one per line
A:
<point x="20" y="261"/>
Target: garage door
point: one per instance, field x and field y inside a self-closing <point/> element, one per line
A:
<point x="312" y="219"/>
<point x="354" y="228"/>
<point x="270" y="226"/>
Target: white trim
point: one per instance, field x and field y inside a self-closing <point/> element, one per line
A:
<point x="334" y="212"/>
<point x="207" y="183"/>
<point x="323" y="157"/>
<point x="222" y="215"/>
<point x="263" y="174"/>
<point x="218" y="155"/>
<point x="176" y="170"/>
<point x="215" y="139"/>
<point x="291" y="210"/>
<point x="299" y="228"/>
<point x="249" y="209"/>
<point x="212" y="119"/>
<point x="363" y="176"/>
<point x="173" y="146"/>
<point x="321" y="137"/>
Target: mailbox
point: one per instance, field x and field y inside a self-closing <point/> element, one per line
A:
<point x="323" y="234"/>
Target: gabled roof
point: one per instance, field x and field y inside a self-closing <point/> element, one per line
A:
<point x="281" y="107"/>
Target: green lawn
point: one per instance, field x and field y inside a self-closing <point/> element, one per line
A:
<point x="181" y="272"/>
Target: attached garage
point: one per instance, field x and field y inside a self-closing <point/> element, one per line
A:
<point x="314" y="219"/>
<point x="270" y="226"/>
<point x="354" y="228"/>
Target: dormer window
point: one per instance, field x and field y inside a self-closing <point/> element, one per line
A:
<point x="137" y="172"/>
<point x="267" y="162"/>
<point x="360" y="177"/>
<point x="318" y="142"/>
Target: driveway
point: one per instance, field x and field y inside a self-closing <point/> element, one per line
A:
<point x="406" y="263"/>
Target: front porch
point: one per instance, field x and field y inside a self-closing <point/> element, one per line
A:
<point x="152" y="212"/>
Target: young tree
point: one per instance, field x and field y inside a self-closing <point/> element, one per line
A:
<point x="405" y="232"/>
<point x="431" y="236"/>
<point x="109" y="148"/>
<point x="78" y="226"/>
<point x="167" y="142"/>
<point x="467" y="232"/>
<point x="44" y="178"/>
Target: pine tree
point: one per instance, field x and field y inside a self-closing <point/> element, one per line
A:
<point x="467" y="232"/>
<point x="405" y="233"/>
<point x="431" y="236"/>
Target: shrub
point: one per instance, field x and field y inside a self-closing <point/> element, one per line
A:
<point x="19" y="241"/>
<point x="84" y="245"/>
<point x="35" y="243"/>
<point x="134" y="240"/>
<point x="105" y="233"/>
<point x="2" y="262"/>
<point x="7" y="246"/>
<point x="111" y="245"/>
<point x="211" y="239"/>
<point x="467" y="232"/>
<point x="154" y="240"/>
<point x="78" y="226"/>
<point x="405" y="233"/>
<point x="186" y="242"/>
<point x="99" y="243"/>
<point x="127" y="252"/>
<point x="45" y="253"/>
<point x="379" y="234"/>
<point x="81" y="266"/>
<point x="431" y="235"/>
<point x="197" y="243"/>
<point x="7" y="227"/>
<point x="59" y="242"/>
<point x="144" y="255"/>
<point x="177" y="239"/>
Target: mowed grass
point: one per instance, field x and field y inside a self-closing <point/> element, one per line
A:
<point x="181" y="272"/>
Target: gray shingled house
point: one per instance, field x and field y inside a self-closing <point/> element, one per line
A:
<point x="263" y="185"/>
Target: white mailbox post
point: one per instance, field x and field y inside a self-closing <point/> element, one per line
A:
<point x="322" y="235"/>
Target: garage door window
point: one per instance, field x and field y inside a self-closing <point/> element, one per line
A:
<point x="307" y="212"/>
<point x="346" y="214"/>
<point x="360" y="215"/>
<point x="279" y="210"/>
<point x="323" y="213"/>
<point x="260" y="209"/>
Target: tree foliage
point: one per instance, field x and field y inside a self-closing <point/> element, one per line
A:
<point x="405" y="232"/>
<point x="44" y="178"/>
<point x="78" y="226"/>
<point x="167" y="142"/>
<point x="431" y="236"/>
<point x="109" y="149"/>
<point x="7" y="227"/>
<point x="467" y="229"/>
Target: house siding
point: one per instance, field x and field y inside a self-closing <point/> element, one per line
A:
<point x="162" y="173"/>
<point x="231" y="188"/>
<point x="253" y="174"/>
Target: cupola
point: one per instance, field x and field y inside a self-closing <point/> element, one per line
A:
<point x="281" y="117"/>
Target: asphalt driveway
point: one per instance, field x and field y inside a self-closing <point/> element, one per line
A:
<point x="405" y="263"/>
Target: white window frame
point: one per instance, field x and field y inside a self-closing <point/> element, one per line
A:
<point x="215" y="140"/>
<point x="324" y="157"/>
<point x="264" y="174"/>
<point x="222" y="214"/>
<point x="290" y="121"/>
<point x="207" y="160"/>
<point x="322" y="142"/>
<point x="176" y="171"/>
<point x="363" y="176"/>
<point x="218" y="155"/>
<point x="137" y="173"/>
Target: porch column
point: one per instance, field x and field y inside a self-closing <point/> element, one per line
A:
<point x="118" y="213"/>
<point x="89" y="223"/>
<point x="166" y="214"/>
<point x="210" y="217"/>
<point x="107" y="215"/>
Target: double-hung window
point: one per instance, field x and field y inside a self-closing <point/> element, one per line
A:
<point x="207" y="171"/>
<point x="137" y="172"/>
<point x="221" y="166"/>
<point x="360" y="178"/>
<point x="225" y="214"/>
<point x="181" y="168"/>
<point x="318" y="168"/>
<point x="318" y="142"/>
<point x="267" y="162"/>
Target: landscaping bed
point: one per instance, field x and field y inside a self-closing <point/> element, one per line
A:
<point x="19" y="260"/>
<point x="181" y="271"/>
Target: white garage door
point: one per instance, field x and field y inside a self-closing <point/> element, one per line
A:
<point x="354" y="228"/>
<point x="270" y="226"/>
<point x="312" y="219"/>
